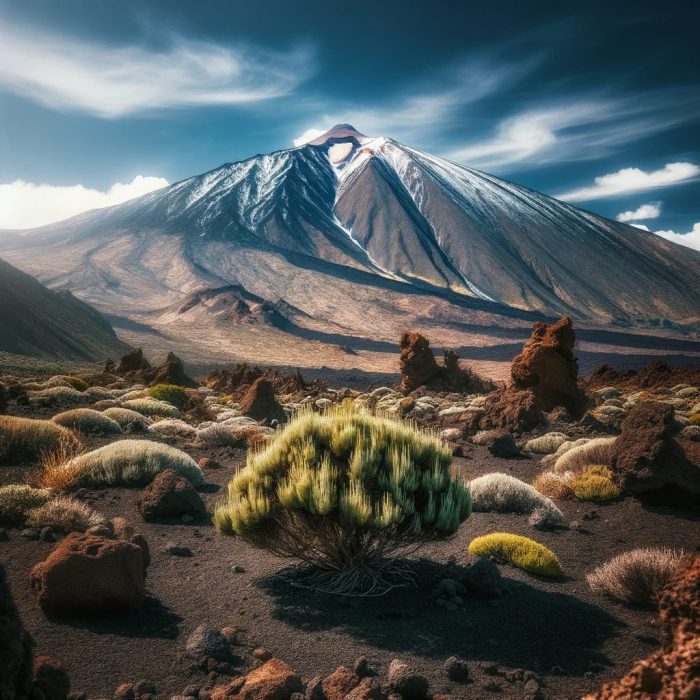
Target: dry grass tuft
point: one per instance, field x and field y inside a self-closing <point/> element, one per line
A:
<point x="546" y="444"/>
<point x="17" y="499"/>
<point x="64" y="514"/>
<point x="87" y="420"/>
<point x="636" y="577"/>
<point x="553" y="485"/>
<point x="26" y="438"/>
<point x="596" y="451"/>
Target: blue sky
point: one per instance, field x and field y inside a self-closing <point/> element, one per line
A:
<point x="596" y="102"/>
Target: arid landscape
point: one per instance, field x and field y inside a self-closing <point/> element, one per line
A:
<point x="349" y="352"/>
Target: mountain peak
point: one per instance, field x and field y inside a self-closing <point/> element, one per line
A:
<point x="339" y="132"/>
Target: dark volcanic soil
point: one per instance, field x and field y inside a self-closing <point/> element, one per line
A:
<point x="572" y="638"/>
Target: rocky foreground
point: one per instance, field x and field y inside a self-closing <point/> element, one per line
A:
<point x="128" y="591"/>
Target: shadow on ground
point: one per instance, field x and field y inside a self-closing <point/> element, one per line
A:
<point x="528" y="627"/>
<point x="153" y="620"/>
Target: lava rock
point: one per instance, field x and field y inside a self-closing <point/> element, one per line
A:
<point x="483" y="578"/>
<point x="207" y="643"/>
<point x="457" y="669"/>
<point x="260" y="403"/>
<point x="50" y="678"/>
<point x="170" y="495"/>
<point x="406" y="682"/>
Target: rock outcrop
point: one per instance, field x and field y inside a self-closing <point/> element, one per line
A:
<point x="91" y="574"/>
<point x="172" y="371"/>
<point x="133" y="361"/>
<point x="672" y="672"/>
<point x="419" y="368"/>
<point x="260" y="402"/>
<point x="274" y="680"/>
<point x="650" y="460"/>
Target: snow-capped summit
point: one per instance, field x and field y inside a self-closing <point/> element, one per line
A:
<point x="370" y="212"/>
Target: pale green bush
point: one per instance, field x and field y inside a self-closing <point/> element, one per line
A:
<point x="153" y="408"/>
<point x="87" y="420"/>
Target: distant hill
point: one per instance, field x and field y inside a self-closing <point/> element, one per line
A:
<point x="40" y="322"/>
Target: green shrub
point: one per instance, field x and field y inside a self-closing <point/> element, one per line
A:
<point x="595" y="484"/>
<point x="171" y="393"/>
<point x="522" y="552"/>
<point x="153" y="408"/>
<point x="130" y="421"/>
<point x="17" y="499"/>
<point x="125" y="462"/>
<point x="26" y="438"/>
<point x="64" y="514"/>
<point x="343" y="491"/>
<point x="546" y="444"/>
<point x="636" y="577"/>
<point x="77" y="383"/>
<point x="86" y="420"/>
<point x="57" y="394"/>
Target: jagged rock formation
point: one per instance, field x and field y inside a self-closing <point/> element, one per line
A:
<point x="260" y="402"/>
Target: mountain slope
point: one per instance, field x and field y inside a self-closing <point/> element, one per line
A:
<point x="39" y="322"/>
<point x="296" y="226"/>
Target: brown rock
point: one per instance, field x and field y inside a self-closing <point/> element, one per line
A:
<point x="679" y="603"/>
<point x="15" y="648"/>
<point x="368" y="689"/>
<point x="123" y="531"/>
<point x="51" y="681"/>
<point x="513" y="409"/>
<point x="125" y="692"/>
<point x="274" y="680"/>
<point x="260" y="403"/>
<point x="172" y="371"/>
<point x="416" y="361"/>
<point x="341" y="682"/>
<point x="170" y="495"/>
<point x="648" y="461"/>
<point x="88" y="574"/>
<point x="261" y="654"/>
<point x="133" y="361"/>
<point x="548" y="368"/>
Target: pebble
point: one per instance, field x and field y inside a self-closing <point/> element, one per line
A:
<point x="178" y="550"/>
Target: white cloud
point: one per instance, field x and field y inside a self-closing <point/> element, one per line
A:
<point x="645" y="211"/>
<point x="690" y="239"/>
<point x="26" y="205"/>
<point x="641" y="226"/>
<point x="308" y="135"/>
<point x="114" y="81"/>
<point x="630" y="180"/>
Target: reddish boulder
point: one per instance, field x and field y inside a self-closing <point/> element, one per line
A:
<point x="340" y="683"/>
<point x="89" y="574"/>
<point x="649" y="461"/>
<point x="170" y="495"/>
<point x="673" y="672"/>
<point x="260" y="403"/>
<point x="548" y="368"/>
<point x="15" y="648"/>
<point x="367" y="689"/>
<point x="274" y="680"/>
<point x="416" y="361"/>
<point x="512" y="409"/>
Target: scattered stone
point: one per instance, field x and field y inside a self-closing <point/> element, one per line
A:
<point x="86" y="574"/>
<point x="208" y="463"/>
<point x="502" y="445"/>
<point x="207" y="643"/>
<point x="314" y="689"/>
<point x="483" y="578"/>
<point x="341" y="682"/>
<point x="457" y="669"/>
<point x="512" y="409"/>
<point x="145" y="687"/>
<point x="262" y="654"/>
<point x="362" y="668"/>
<point x="274" y="680"/>
<point x="125" y="692"/>
<point x="231" y="634"/>
<point x="170" y="495"/>
<point x="406" y="682"/>
<point x="178" y="550"/>
<point x="367" y="689"/>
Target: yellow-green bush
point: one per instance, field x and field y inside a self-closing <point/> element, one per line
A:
<point x="87" y="420"/>
<point x="153" y="408"/>
<point x="595" y="484"/>
<point x="343" y="490"/>
<point x="520" y="551"/>
<point x="77" y="383"/>
<point x="171" y="393"/>
<point x="26" y="438"/>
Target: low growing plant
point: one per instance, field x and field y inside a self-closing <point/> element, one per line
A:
<point x="520" y="551"/>
<point x="16" y="500"/>
<point x="344" y="492"/>
<point x="129" y="421"/>
<point x="87" y="420"/>
<point x="153" y="408"/>
<point x="64" y="514"/>
<point x="595" y="484"/>
<point x="171" y="393"/>
<point x="26" y="438"/>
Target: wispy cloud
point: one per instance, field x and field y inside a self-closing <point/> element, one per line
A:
<point x="629" y="180"/>
<point x="66" y="73"/>
<point x="642" y="213"/>
<point x="25" y="204"/>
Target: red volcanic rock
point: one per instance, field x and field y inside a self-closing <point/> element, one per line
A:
<point x="647" y="459"/>
<point x="548" y="368"/>
<point x="416" y="361"/>
<point x="673" y="672"/>
<point x="341" y="682"/>
<point x="274" y="680"/>
<point x="260" y="403"/>
<point x="172" y="371"/>
<point x="657" y="373"/>
<point x="170" y="495"/>
<point x="512" y="409"/>
<point x="88" y="574"/>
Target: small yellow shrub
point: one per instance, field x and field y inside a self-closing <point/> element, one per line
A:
<point x="553" y="485"/>
<point x="520" y="551"/>
<point x="595" y="484"/>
